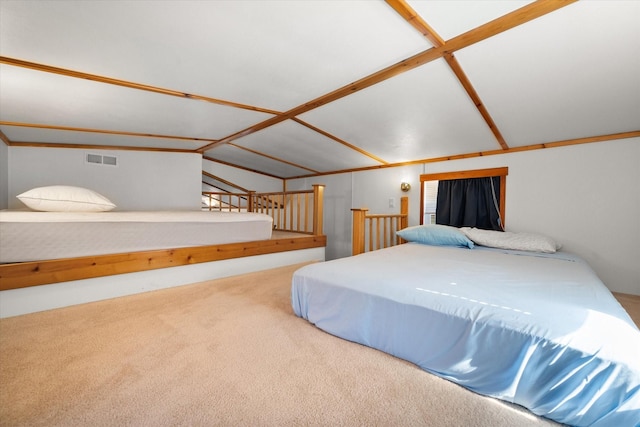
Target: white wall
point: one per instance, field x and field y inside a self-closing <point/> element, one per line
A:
<point x="143" y="180"/>
<point x="585" y="196"/>
<point x="379" y="190"/>
<point x="4" y="175"/>
<point x="337" y="214"/>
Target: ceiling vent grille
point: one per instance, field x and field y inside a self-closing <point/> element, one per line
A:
<point x="98" y="159"/>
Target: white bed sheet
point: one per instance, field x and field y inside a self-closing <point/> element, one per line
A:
<point x="538" y="330"/>
<point x="36" y="236"/>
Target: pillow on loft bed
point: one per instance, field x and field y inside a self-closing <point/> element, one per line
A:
<point x="64" y="198"/>
<point x="509" y="240"/>
<point x="435" y="235"/>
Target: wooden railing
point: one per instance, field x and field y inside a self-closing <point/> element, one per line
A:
<point x="297" y="211"/>
<point x="377" y="231"/>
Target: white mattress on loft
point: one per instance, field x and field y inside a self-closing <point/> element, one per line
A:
<point x="36" y="236"/>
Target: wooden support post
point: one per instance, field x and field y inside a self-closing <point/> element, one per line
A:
<point x="250" y="195"/>
<point x="318" y="215"/>
<point x="357" y="239"/>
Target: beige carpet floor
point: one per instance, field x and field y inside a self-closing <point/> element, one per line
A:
<point x="226" y="352"/>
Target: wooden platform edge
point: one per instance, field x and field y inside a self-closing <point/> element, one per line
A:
<point x="26" y="274"/>
<point x="631" y="303"/>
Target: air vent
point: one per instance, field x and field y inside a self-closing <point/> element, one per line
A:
<point x="94" y="158"/>
<point x="98" y="159"/>
<point x="110" y="160"/>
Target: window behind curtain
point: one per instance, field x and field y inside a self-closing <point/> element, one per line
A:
<point x="464" y="198"/>
<point x="471" y="202"/>
<point x="430" y="189"/>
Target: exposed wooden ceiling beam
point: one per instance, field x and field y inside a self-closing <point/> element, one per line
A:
<point x="464" y="80"/>
<point x="555" y="144"/>
<point x="222" y="162"/>
<point x="511" y="20"/>
<point x="224" y="181"/>
<point x="128" y="84"/>
<point x="407" y="12"/>
<point x="441" y="49"/>
<point x="132" y="85"/>
<point x="412" y="17"/>
<point x="345" y="143"/>
<point x="4" y="138"/>
<point x="98" y="147"/>
<point x="102" y="131"/>
<point x="136" y="134"/>
<point x="271" y="157"/>
<point x="382" y="75"/>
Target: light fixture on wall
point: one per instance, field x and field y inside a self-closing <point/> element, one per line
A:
<point x="405" y="186"/>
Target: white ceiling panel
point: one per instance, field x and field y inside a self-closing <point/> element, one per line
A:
<point x="452" y="18"/>
<point x="44" y="98"/>
<point x="243" y="158"/>
<point x="571" y="74"/>
<point x="30" y="135"/>
<point x="300" y="145"/>
<point x="270" y="54"/>
<point x="420" y="114"/>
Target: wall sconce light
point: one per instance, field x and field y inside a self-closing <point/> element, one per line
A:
<point x="405" y="186"/>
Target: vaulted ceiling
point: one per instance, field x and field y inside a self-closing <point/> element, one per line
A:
<point x="298" y="88"/>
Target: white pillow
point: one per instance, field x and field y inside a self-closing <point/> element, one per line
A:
<point x="508" y="240"/>
<point x="64" y="198"/>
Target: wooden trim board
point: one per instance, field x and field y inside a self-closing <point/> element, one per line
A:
<point x="25" y="274"/>
<point x="631" y="303"/>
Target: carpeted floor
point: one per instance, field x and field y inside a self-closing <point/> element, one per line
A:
<point x="225" y="352"/>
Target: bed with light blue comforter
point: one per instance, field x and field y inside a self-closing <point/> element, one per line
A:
<point x="538" y="330"/>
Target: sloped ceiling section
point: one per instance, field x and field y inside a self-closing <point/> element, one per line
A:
<point x="301" y="88"/>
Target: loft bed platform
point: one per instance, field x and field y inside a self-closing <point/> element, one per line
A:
<point x="297" y="237"/>
<point x="26" y="274"/>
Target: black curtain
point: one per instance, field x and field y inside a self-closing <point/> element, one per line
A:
<point x="469" y="203"/>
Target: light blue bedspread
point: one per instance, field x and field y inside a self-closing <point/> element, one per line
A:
<point x="538" y="330"/>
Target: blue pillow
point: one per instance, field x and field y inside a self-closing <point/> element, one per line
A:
<point x="439" y="235"/>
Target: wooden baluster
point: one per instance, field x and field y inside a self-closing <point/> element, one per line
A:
<point x="298" y="212"/>
<point x="306" y="212"/>
<point x="276" y="200"/>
